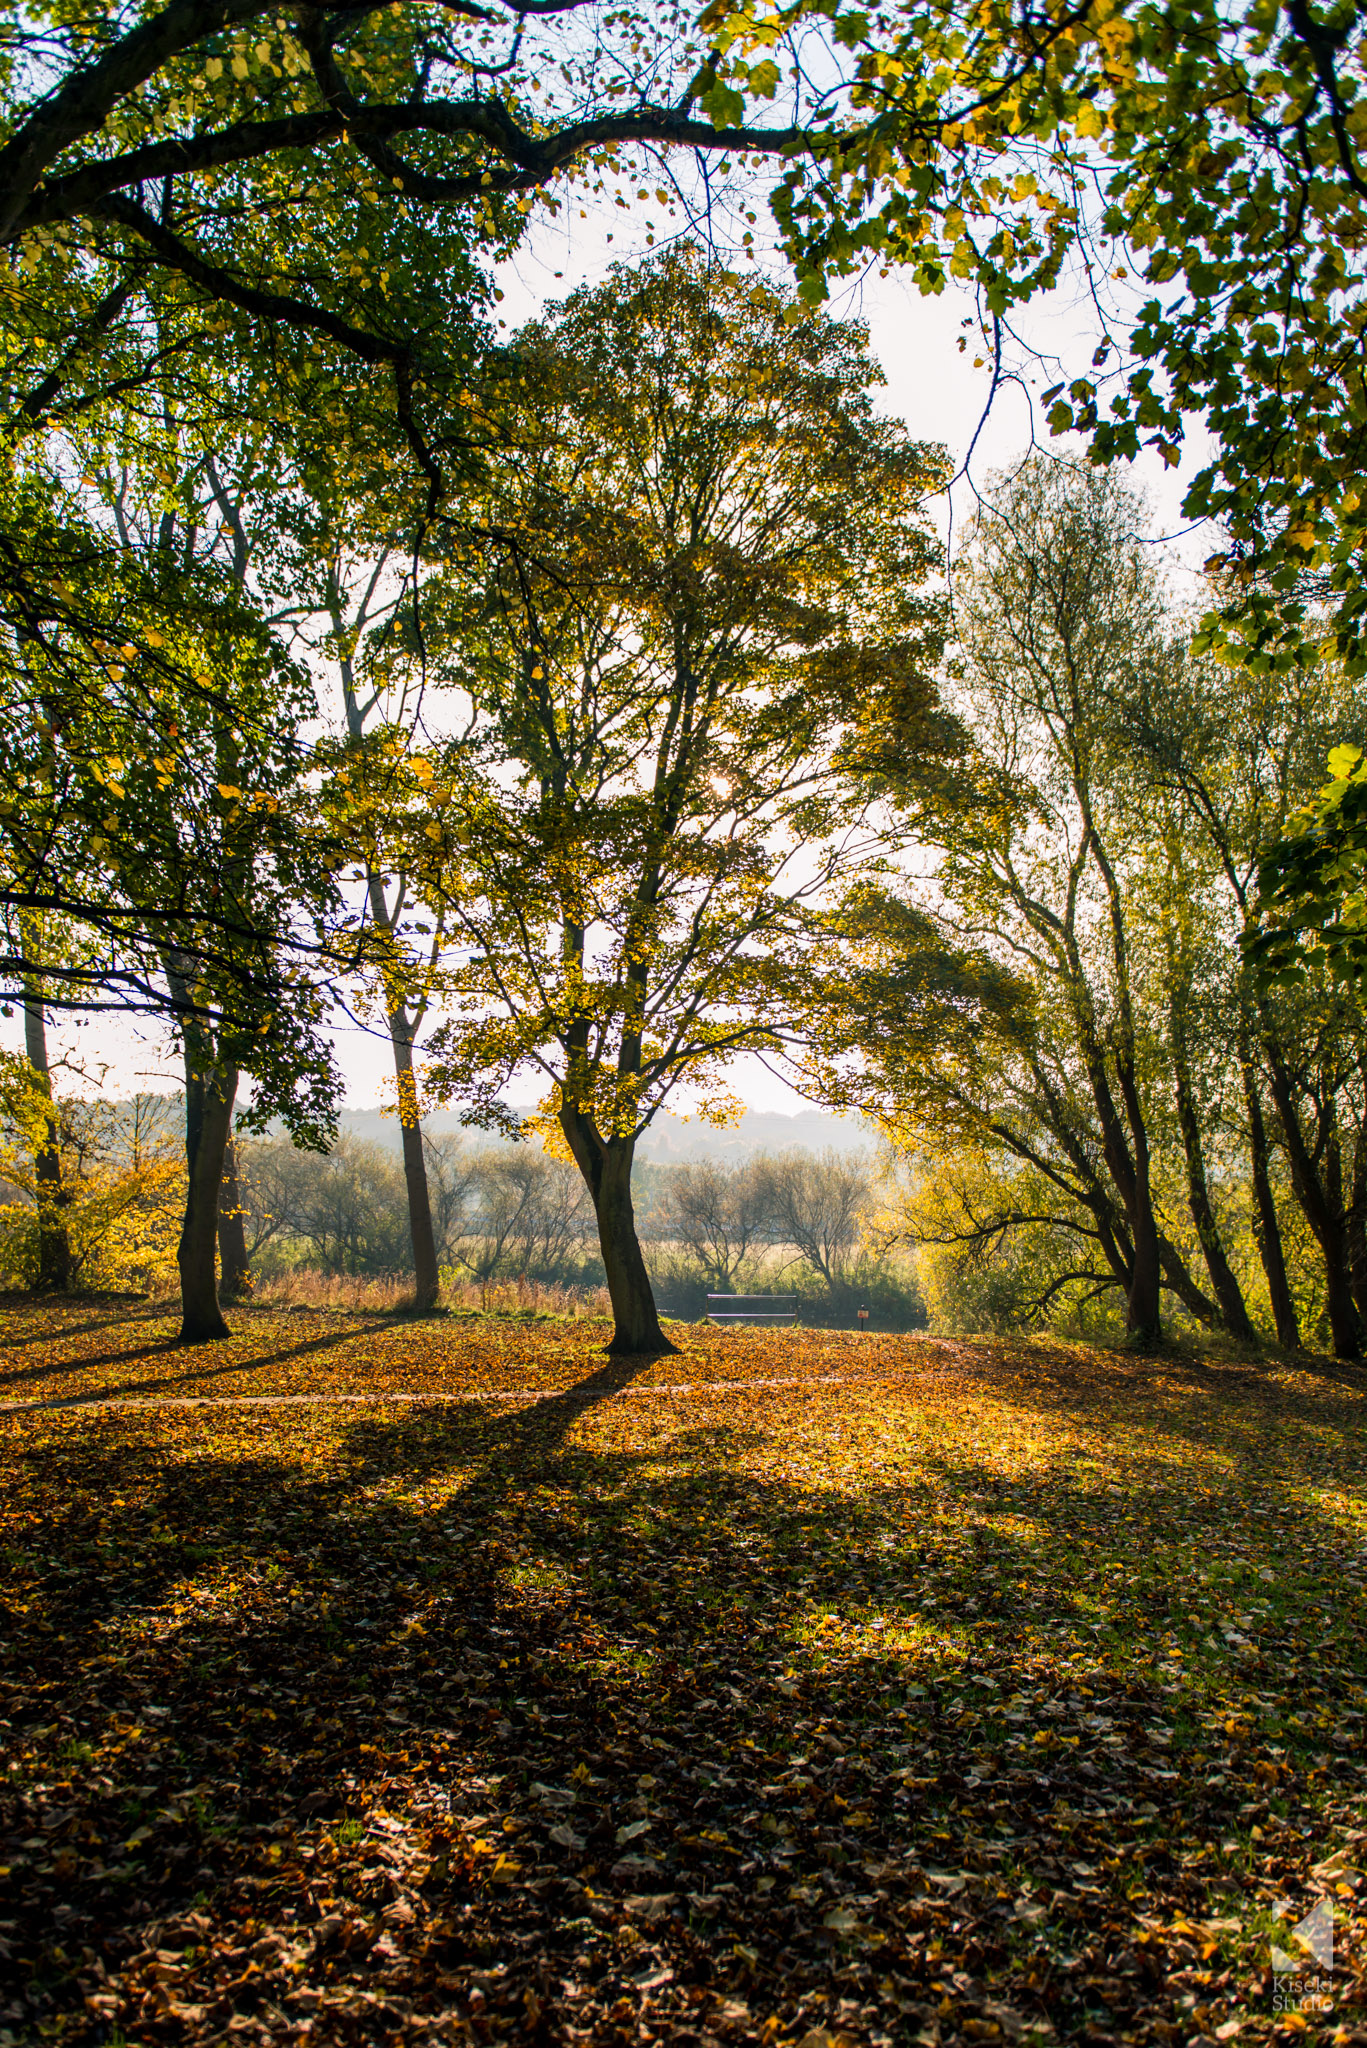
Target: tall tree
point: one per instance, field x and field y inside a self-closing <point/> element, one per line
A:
<point x="1060" y="605"/>
<point x="380" y="670"/>
<point x="1035" y="858"/>
<point x="1239" y="750"/>
<point x="704" y="565"/>
<point x="51" y="1196"/>
<point x="158" y="773"/>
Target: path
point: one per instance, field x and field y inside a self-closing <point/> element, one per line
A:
<point x="409" y="1400"/>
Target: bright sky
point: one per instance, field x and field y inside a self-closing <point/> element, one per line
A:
<point x="930" y="383"/>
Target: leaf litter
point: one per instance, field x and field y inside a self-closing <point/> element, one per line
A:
<point x="973" y="1691"/>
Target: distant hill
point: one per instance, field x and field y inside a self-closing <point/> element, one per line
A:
<point x="669" y="1139"/>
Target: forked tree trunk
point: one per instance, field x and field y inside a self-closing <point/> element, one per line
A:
<point x="1324" y="1216"/>
<point x="1267" y="1229"/>
<point x="1129" y="1170"/>
<point x="209" y="1092"/>
<point x="1233" y="1310"/>
<point x="50" y="1195"/>
<point x="426" y="1276"/>
<point x="606" y="1167"/>
<point x="235" y="1278"/>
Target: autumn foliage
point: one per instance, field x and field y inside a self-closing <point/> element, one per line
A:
<point x="377" y="1681"/>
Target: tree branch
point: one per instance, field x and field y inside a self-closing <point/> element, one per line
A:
<point x="530" y="160"/>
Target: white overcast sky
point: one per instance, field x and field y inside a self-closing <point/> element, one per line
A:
<point x="930" y="384"/>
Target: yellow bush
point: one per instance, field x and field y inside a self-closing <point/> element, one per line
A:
<point x="122" y="1186"/>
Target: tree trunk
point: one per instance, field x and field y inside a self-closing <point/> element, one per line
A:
<point x="606" y="1167"/>
<point x="1357" y="1222"/>
<point x="54" y="1244"/>
<point x="209" y="1092"/>
<point x="1179" y="1282"/>
<point x="636" y="1332"/>
<point x="1345" y="1329"/>
<point x="1143" y="1309"/>
<point x="1233" y="1310"/>
<point x="1129" y="1172"/>
<point x="235" y="1277"/>
<point x="1267" y="1228"/>
<point x="426" y="1277"/>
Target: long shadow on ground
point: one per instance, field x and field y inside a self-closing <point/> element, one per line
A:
<point x="569" y="1722"/>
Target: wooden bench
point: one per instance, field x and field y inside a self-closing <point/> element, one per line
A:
<point x="752" y="1308"/>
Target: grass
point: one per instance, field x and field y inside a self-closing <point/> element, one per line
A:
<point x="799" y="1688"/>
<point x="304" y="1287"/>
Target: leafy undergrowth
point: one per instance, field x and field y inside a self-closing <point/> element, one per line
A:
<point x="955" y="1693"/>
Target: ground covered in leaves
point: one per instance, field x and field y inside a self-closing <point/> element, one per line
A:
<point x="796" y="1689"/>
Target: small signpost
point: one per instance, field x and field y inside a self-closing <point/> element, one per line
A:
<point x="863" y="1320"/>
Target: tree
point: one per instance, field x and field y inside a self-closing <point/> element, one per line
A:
<point x="816" y="1202"/>
<point x="157" y="788"/>
<point x="234" y="1264"/>
<point x="120" y="1174"/>
<point x="1060" y="607"/>
<point x="523" y="1212"/>
<point x="293" y="188"/>
<point x="703" y="568"/>
<point x="51" y="1196"/>
<point x="1104" y="850"/>
<point x="1201" y="168"/>
<point x="376" y="785"/>
<point x="116" y="373"/>
<point x="350" y="1210"/>
<point x="1038" y="857"/>
<point x="718" y="1212"/>
<point x="1239" y="750"/>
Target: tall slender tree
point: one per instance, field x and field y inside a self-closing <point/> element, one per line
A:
<point x="54" y="1245"/>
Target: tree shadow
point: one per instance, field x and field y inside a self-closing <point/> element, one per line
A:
<point x="114" y="1319"/>
<point x="1186" y="1399"/>
<point x="450" y="1607"/>
<point x="120" y="1390"/>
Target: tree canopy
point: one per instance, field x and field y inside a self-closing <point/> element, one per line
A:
<point x="704" y="575"/>
<point x="1196" y="169"/>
